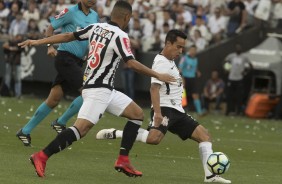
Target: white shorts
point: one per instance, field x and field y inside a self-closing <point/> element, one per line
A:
<point x="98" y="100"/>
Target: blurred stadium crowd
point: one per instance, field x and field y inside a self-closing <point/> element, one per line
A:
<point x="205" y="21"/>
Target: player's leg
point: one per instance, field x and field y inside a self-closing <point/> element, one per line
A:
<point x="113" y="133"/>
<point x="122" y="105"/>
<point x="72" y="74"/>
<point x="18" y="81"/>
<point x="153" y="135"/>
<point x="55" y="95"/>
<point x="229" y="97"/>
<point x="201" y="135"/>
<point x="197" y="103"/>
<point x="87" y="118"/>
<point x="193" y="85"/>
<point x="41" y="112"/>
<point x="156" y="134"/>
<point x="240" y="89"/>
<point x="8" y="75"/>
<point x="62" y="141"/>
<point x="60" y="124"/>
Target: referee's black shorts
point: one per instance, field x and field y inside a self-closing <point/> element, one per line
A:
<point x="70" y="72"/>
<point x="179" y="123"/>
<point x="191" y="86"/>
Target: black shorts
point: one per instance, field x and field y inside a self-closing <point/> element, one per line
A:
<point x="191" y="86"/>
<point x="179" y="123"/>
<point x="70" y="72"/>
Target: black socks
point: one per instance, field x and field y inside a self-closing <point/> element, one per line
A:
<point x="63" y="140"/>
<point x="129" y="135"/>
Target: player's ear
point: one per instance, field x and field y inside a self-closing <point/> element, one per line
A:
<point x="168" y="43"/>
<point x="127" y="17"/>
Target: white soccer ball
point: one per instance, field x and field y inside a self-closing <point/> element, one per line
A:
<point x="218" y="163"/>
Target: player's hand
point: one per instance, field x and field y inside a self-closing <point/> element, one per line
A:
<point x="158" y="119"/>
<point x="51" y="51"/>
<point x="166" y="78"/>
<point x="27" y="43"/>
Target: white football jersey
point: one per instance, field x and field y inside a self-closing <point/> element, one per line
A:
<point x="107" y="45"/>
<point x="170" y="94"/>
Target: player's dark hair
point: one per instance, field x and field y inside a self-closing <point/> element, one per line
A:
<point x="173" y="34"/>
<point x="123" y="5"/>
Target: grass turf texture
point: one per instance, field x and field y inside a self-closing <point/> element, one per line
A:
<point x="253" y="146"/>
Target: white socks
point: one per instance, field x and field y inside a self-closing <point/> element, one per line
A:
<point x="119" y="133"/>
<point x="142" y="135"/>
<point x="205" y="149"/>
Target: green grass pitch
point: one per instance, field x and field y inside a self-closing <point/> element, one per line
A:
<point x="253" y="146"/>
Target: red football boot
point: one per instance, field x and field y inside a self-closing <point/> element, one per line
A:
<point x="38" y="160"/>
<point x="123" y="165"/>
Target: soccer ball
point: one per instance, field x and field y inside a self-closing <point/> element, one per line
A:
<point x="218" y="163"/>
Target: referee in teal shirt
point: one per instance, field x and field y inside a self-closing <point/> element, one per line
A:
<point x="188" y="66"/>
<point x="68" y="63"/>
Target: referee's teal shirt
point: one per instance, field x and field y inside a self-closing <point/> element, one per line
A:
<point x="70" y="20"/>
<point x="188" y="66"/>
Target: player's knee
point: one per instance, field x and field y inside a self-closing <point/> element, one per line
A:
<point x="154" y="137"/>
<point x="201" y="134"/>
<point x="83" y="126"/>
<point x="83" y="131"/>
<point x="138" y="114"/>
<point x="52" y="102"/>
<point x="153" y="140"/>
<point x="205" y="137"/>
<point x="133" y="111"/>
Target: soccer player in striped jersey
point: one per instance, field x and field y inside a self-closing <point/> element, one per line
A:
<point x="107" y="44"/>
<point x="167" y="113"/>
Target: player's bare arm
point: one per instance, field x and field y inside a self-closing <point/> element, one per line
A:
<point x="51" y="51"/>
<point x="140" y="68"/>
<point x="59" y="38"/>
<point x="155" y="98"/>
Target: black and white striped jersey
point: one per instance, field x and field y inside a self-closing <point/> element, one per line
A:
<point x="107" y="45"/>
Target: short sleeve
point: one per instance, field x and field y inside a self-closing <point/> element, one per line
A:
<point x="122" y="47"/>
<point x="83" y="34"/>
<point x="159" y="67"/>
<point x="63" y="18"/>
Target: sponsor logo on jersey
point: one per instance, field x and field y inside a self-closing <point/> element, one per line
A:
<point x="62" y="13"/>
<point x="103" y="32"/>
<point x="126" y="42"/>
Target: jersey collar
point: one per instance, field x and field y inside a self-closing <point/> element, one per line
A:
<point x="80" y="8"/>
<point x="113" y="23"/>
<point x="160" y="53"/>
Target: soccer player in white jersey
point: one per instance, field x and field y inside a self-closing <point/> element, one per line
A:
<point x="107" y="44"/>
<point x="167" y="113"/>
